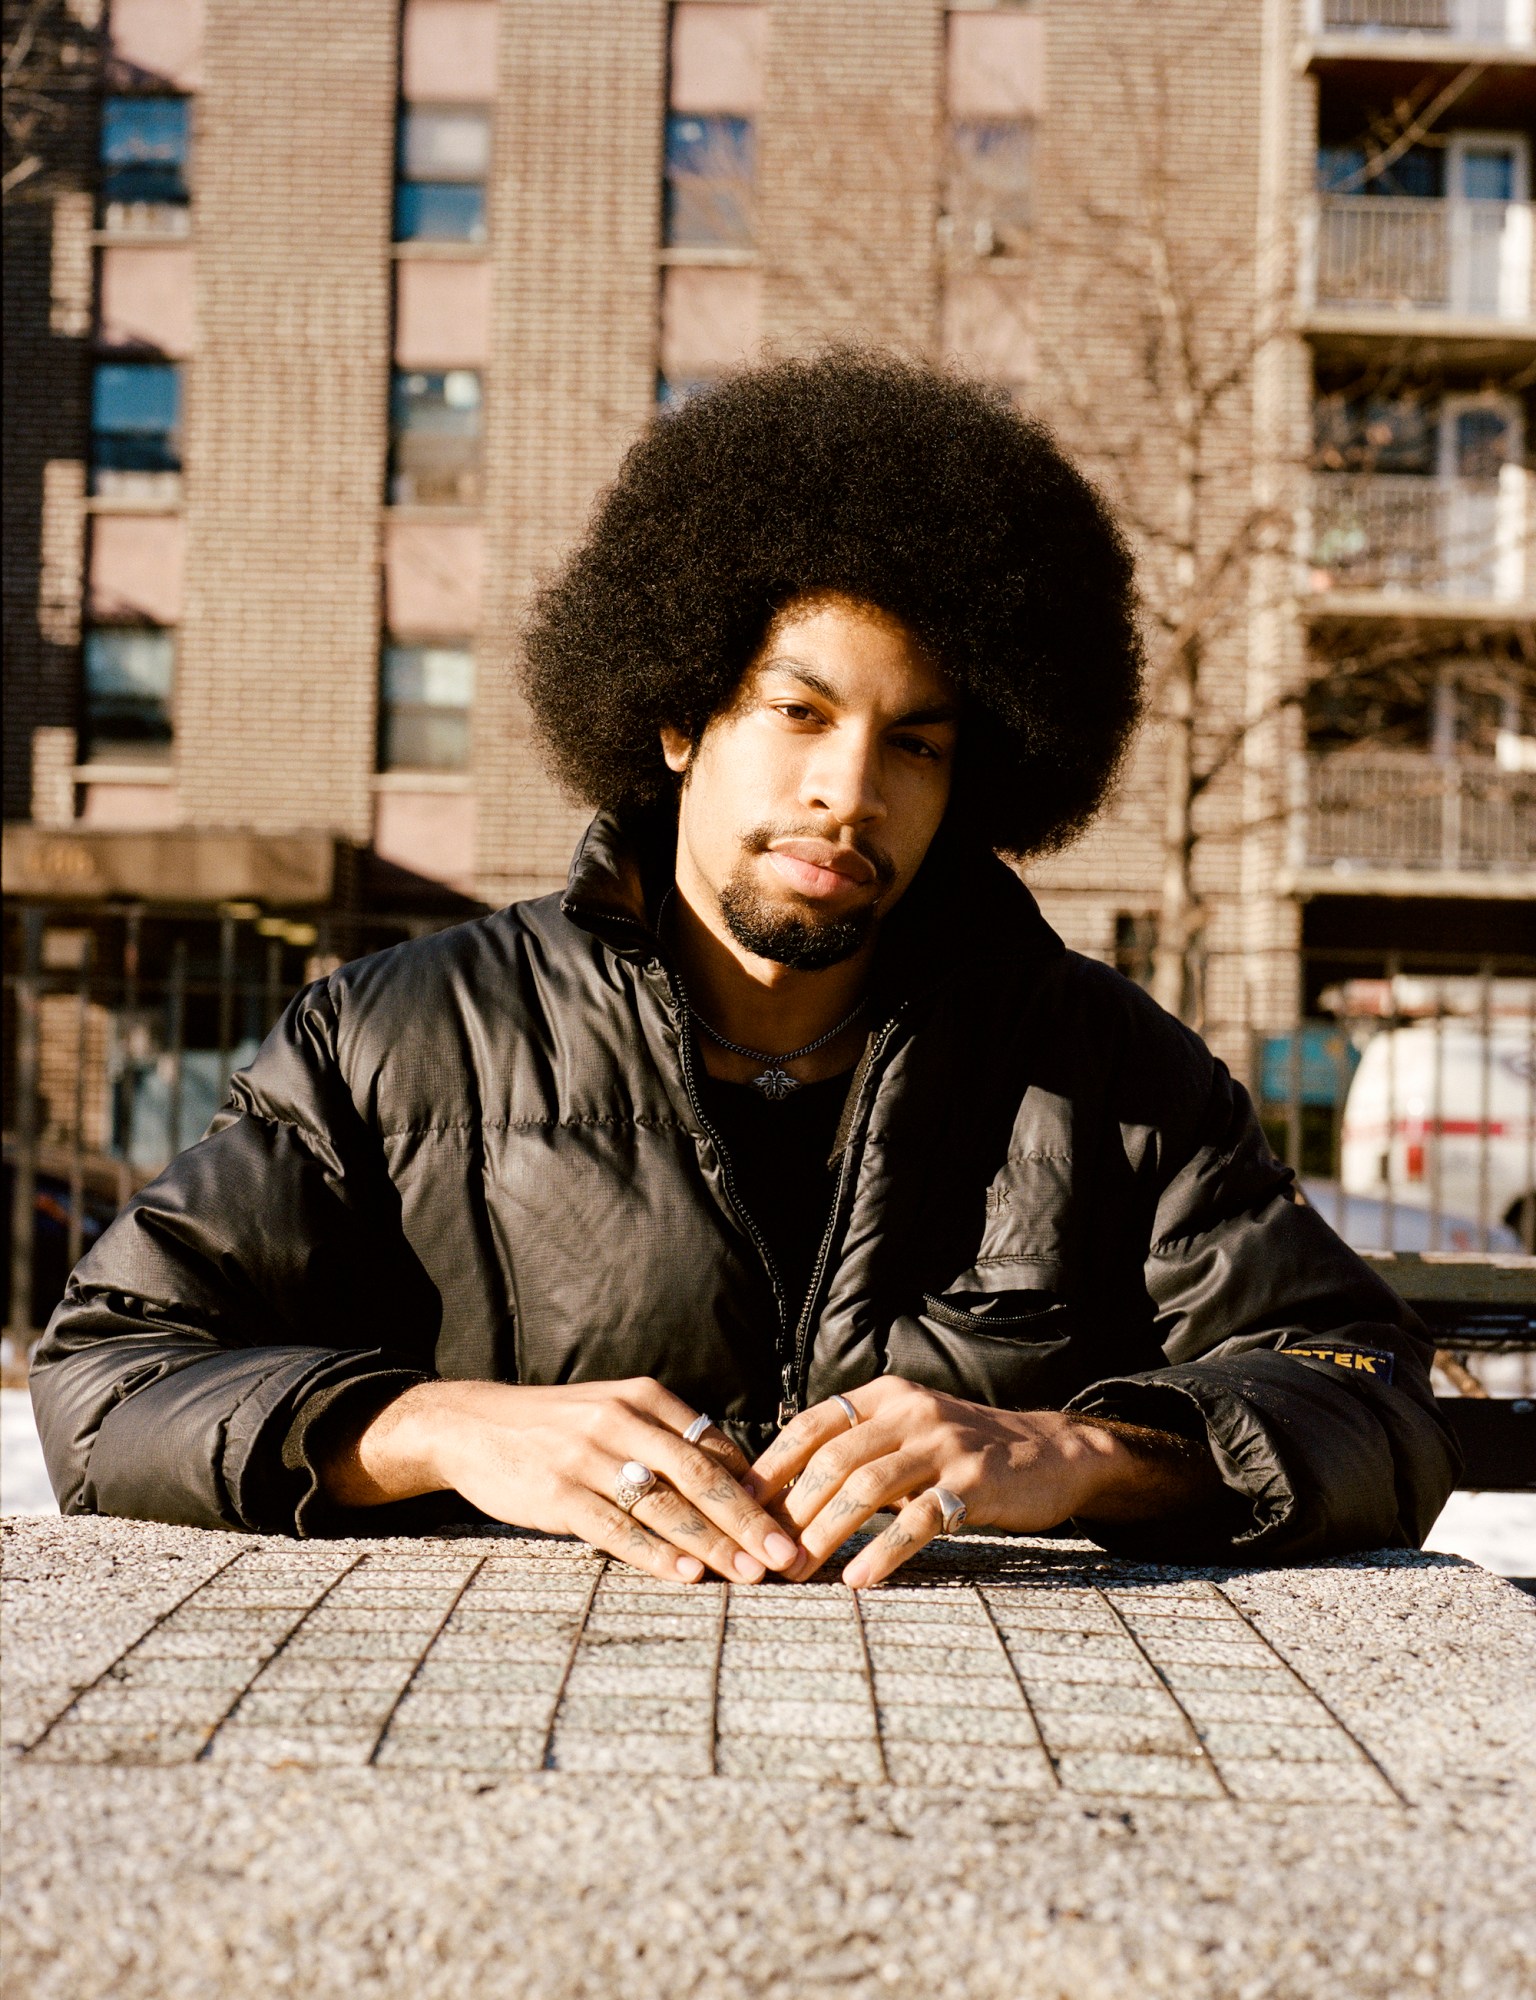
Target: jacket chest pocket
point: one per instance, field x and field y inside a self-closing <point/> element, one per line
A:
<point x="1006" y="1349"/>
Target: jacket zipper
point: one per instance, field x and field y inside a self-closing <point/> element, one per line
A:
<point x="794" y="1366"/>
<point x="738" y="1209"/>
<point x="791" y="1344"/>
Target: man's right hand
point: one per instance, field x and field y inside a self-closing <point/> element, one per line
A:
<point x="549" y="1458"/>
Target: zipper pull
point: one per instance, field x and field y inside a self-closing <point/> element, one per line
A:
<point x="789" y="1402"/>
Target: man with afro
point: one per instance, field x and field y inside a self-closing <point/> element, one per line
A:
<point x="785" y="1170"/>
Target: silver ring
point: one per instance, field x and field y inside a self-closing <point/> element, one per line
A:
<point x="847" y="1409"/>
<point x="634" y="1482"/>
<point x="951" y="1506"/>
<point x="697" y="1428"/>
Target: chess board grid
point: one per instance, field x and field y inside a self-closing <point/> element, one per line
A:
<point x="1058" y="1677"/>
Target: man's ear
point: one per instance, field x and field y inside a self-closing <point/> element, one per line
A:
<point x="676" y="748"/>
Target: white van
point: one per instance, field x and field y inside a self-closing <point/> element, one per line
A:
<point x="1441" y="1115"/>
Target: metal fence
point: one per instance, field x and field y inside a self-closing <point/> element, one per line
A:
<point x="122" y="1029"/>
<point x="1453" y="538"/>
<point x="1468" y="20"/>
<point x="1433" y="253"/>
<point x="1404" y="811"/>
<point x="1406" y="1100"/>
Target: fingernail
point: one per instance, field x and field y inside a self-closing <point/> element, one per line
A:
<point x="750" y="1484"/>
<point x="689" y="1568"/>
<point x="855" y="1576"/>
<point x="748" y="1568"/>
<point x="781" y="1550"/>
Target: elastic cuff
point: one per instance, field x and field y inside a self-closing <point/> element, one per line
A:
<point x="1240" y="1515"/>
<point x="352" y="1402"/>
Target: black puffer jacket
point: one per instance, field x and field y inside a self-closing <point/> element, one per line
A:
<point x="482" y="1155"/>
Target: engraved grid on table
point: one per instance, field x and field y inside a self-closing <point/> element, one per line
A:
<point x="522" y="1662"/>
<point x="1166" y="1690"/>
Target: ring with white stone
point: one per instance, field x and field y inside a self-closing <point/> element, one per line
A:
<point x="952" y="1507"/>
<point x="634" y="1482"/>
<point x="697" y="1428"/>
<point x="847" y="1409"/>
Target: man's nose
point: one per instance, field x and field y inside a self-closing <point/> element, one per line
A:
<point x="843" y="778"/>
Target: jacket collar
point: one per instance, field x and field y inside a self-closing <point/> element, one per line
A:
<point x="964" y="908"/>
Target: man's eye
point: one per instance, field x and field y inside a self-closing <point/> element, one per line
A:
<point x="919" y="746"/>
<point x="796" y="711"/>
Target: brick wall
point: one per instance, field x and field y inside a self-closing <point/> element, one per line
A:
<point x="576" y="217"/>
<point x="286" y="415"/>
<point x="849" y="173"/>
<point x="46" y="392"/>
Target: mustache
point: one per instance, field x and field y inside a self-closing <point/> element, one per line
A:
<point x="758" y="839"/>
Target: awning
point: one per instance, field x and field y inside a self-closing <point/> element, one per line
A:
<point x="176" y="865"/>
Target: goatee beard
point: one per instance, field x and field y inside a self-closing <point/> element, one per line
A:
<point x="791" y="937"/>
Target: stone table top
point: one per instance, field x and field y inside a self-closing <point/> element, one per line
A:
<point x="490" y="1763"/>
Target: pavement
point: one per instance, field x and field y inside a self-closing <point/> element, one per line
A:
<point x="492" y="1764"/>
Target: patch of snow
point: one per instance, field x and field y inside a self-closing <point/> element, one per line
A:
<point x="24" y="1487"/>
<point x="1497" y="1530"/>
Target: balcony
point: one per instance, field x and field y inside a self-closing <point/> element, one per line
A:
<point x="1394" y="254"/>
<point x="1400" y="535"/>
<point x="1402" y="814"/>
<point x="1493" y="23"/>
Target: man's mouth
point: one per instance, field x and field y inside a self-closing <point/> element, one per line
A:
<point x="820" y="870"/>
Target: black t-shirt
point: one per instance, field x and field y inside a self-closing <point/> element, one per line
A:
<point x="778" y="1157"/>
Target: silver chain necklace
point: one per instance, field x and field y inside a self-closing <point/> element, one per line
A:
<point x="775" y="1082"/>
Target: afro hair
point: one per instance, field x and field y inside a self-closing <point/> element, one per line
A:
<point x="864" y="476"/>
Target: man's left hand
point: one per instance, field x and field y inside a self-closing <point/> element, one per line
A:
<point x="1024" y="1470"/>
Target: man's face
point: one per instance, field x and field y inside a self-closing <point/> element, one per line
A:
<point x="809" y="803"/>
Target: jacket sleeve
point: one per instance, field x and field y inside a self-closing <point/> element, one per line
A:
<point x="1303" y="1369"/>
<point x="265" y="1268"/>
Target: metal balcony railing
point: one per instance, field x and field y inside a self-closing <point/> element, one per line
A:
<point x="1400" y="252"/>
<point x="1466" y="539"/>
<point x="1495" y="21"/>
<point x="1402" y="810"/>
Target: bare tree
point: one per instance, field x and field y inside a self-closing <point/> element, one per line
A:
<point x="1184" y="304"/>
<point x="52" y="63"/>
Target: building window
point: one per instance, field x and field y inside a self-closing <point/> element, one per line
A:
<point x="987" y="186"/>
<point x="444" y="157"/>
<point x="424" y="707"/>
<point x="435" y="424"/>
<point x="128" y="676"/>
<point x="136" y="430"/>
<point x="144" y="146"/>
<point x="709" y="187"/>
<point x="1418" y="173"/>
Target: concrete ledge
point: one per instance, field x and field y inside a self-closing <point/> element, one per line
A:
<point x="492" y="1764"/>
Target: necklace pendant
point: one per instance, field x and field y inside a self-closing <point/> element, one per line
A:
<point x="776" y="1084"/>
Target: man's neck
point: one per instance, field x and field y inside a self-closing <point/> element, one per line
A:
<point x="756" y="1001"/>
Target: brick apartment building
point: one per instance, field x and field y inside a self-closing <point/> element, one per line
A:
<point x="338" y="317"/>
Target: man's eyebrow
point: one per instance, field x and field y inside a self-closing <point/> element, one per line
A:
<point x="939" y="711"/>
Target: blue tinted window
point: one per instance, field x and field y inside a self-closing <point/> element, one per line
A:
<point x="135" y="417"/>
<point x="709" y="168"/>
<point x="128" y="676"/>
<point x="144" y="148"/>
<point x="440" y="212"/>
<point x="1488" y="174"/>
<point x="1346" y="170"/>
